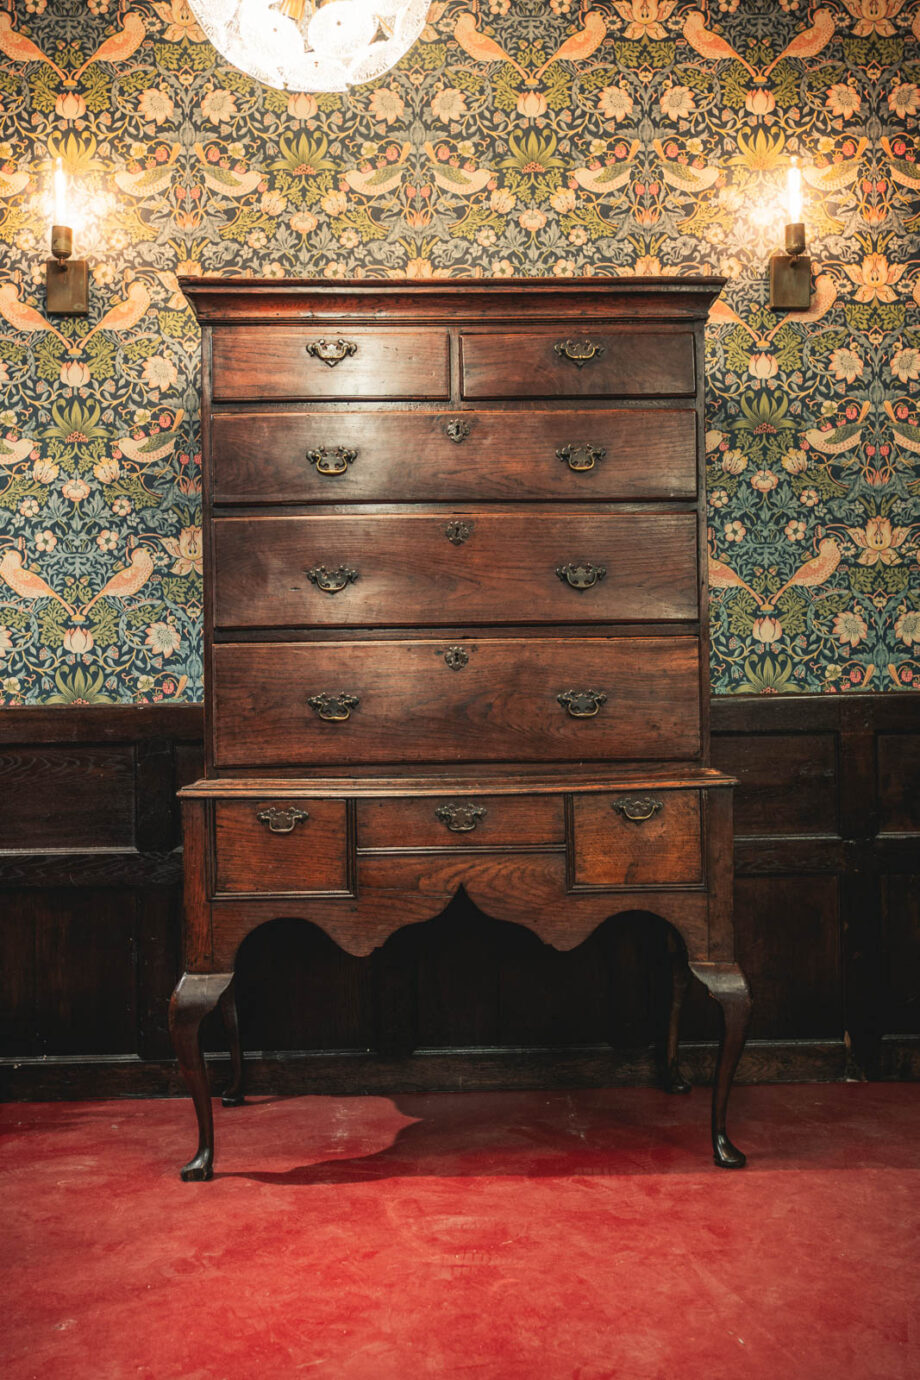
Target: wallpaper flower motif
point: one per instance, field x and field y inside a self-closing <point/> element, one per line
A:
<point x="518" y="138"/>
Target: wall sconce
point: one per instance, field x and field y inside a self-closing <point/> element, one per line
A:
<point x="790" y="273"/>
<point x="66" y="284"/>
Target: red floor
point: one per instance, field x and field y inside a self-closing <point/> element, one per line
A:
<point x="503" y="1236"/>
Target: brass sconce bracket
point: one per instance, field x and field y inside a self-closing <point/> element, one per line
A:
<point x="66" y="280"/>
<point x="790" y="273"/>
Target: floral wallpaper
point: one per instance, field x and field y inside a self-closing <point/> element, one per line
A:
<point x="519" y="137"/>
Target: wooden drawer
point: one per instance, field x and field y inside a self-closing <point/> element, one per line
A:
<point x="298" y="847"/>
<point x="275" y="362"/>
<point x="427" y="701"/>
<point x="639" y="838"/>
<point x="594" y="362"/>
<point x="393" y="457"/>
<point x="401" y="569"/>
<point x="462" y="821"/>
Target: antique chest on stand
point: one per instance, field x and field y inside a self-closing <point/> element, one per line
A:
<point x="456" y="627"/>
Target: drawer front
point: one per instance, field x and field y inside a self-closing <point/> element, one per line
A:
<point x="571" y="362"/>
<point x="428" y="701"/>
<point x="639" y="838"/>
<point x="292" y="846"/>
<point x="328" y="362"/>
<point x="461" y="821"/>
<point x="393" y="457"/>
<point x="454" y="569"/>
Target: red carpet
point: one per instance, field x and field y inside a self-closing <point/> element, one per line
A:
<point x="501" y="1236"/>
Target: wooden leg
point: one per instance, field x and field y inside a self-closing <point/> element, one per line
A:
<point x="233" y="1095"/>
<point x="196" y="994"/>
<point x="726" y="984"/>
<point x="672" y="1080"/>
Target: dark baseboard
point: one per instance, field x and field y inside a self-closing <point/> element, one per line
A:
<point x="899" y="1059"/>
<point x="292" y="1073"/>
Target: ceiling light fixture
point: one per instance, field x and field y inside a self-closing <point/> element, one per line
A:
<point x="299" y="45"/>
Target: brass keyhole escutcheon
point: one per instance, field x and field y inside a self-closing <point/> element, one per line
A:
<point x="457" y="429"/>
<point x="456" y="658"/>
<point x="458" y="532"/>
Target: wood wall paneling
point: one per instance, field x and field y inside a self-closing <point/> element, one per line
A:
<point x="828" y="918"/>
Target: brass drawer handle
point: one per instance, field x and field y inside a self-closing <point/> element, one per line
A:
<point x="458" y="532"/>
<point x="332" y="352"/>
<point x="332" y="459"/>
<point x="584" y="575"/>
<point x="457" y="429"/>
<point x="460" y="817"/>
<point x="582" y="704"/>
<point x="636" y="810"/>
<point x="282" y="821"/>
<point x="581" y="458"/>
<point x="579" y="352"/>
<point x="331" y="581"/>
<point x="335" y="709"/>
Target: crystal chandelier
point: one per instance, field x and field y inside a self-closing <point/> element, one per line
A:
<point x="299" y="45"/>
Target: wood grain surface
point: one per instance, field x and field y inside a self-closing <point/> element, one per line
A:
<point x="273" y="362"/>
<point x="402" y="569"/>
<point x="628" y="363"/>
<point x="407" y="456"/>
<point x="309" y="856"/>
<point x="502" y="705"/>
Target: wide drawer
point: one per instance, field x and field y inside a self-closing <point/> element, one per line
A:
<point x="593" y="363"/>
<point x="282" y="362"/>
<point x="647" y="838"/>
<point x="336" y="456"/>
<point x="405" y="569"/>
<point x="462" y="821"/>
<point x="298" y="847"/>
<point x="495" y="699"/>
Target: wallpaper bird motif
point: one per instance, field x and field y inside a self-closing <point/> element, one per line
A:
<point x="518" y="138"/>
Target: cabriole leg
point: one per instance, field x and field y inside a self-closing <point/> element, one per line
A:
<point x="726" y="984"/>
<point x="196" y="994"/>
<point x="233" y="1095"/>
<point x="672" y="1080"/>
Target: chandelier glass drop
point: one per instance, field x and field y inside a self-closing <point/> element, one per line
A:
<point x="307" y="45"/>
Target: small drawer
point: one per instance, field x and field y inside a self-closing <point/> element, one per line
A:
<point x="462" y="821"/>
<point x="637" y="838"/>
<point x="358" y="456"/>
<point x="576" y="362"/>
<point x="294" y="847"/>
<point x="260" y="362"/>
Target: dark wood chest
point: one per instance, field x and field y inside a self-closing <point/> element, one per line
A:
<point x="455" y="625"/>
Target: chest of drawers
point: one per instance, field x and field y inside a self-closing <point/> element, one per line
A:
<point x="455" y="628"/>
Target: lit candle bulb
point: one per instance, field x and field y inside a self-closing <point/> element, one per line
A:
<point x="794" y="192"/>
<point x="795" y="229"/>
<point x="61" y="229"/>
<point x="60" y="193"/>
